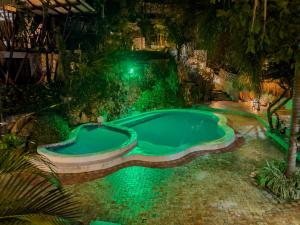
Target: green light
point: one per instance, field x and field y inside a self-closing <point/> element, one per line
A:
<point x="136" y="187"/>
<point x="130" y="71"/>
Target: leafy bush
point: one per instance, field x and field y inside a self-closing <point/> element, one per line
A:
<point x="160" y="87"/>
<point x="9" y="141"/>
<point x="50" y="128"/>
<point x="60" y="125"/>
<point x="272" y="177"/>
<point x="121" y="82"/>
<point x="153" y="98"/>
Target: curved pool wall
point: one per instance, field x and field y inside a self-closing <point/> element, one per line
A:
<point x="65" y="162"/>
<point x="276" y="138"/>
<point x="170" y="132"/>
<point x="132" y="149"/>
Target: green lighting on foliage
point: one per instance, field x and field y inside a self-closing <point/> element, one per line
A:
<point x="131" y="72"/>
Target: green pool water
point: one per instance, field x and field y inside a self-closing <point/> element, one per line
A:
<point x="158" y="133"/>
<point x="93" y="139"/>
<point x="171" y="132"/>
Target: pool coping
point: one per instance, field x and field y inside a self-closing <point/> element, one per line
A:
<point x="273" y="136"/>
<point x="94" y="162"/>
<point x="221" y="122"/>
<point x="65" y="159"/>
<point x="75" y="178"/>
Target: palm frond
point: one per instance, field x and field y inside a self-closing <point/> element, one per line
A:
<point x="28" y="199"/>
<point x="28" y="194"/>
<point x="18" y="160"/>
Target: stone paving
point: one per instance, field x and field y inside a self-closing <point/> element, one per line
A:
<point x="210" y="190"/>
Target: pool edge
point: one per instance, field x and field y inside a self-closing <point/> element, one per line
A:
<point x="67" y="161"/>
<point x="96" y="162"/>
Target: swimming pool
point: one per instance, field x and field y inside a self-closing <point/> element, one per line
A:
<point x="171" y="132"/>
<point x="87" y="141"/>
<point x="156" y="136"/>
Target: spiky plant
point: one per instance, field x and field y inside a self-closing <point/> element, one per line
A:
<point x="28" y="195"/>
<point x="272" y="177"/>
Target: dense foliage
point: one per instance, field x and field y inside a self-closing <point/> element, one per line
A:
<point x="118" y="84"/>
<point x="9" y="141"/>
<point x="55" y="125"/>
<point x="112" y="84"/>
<point x="257" y="41"/>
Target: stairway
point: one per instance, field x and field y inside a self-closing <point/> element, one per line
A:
<point x="219" y="95"/>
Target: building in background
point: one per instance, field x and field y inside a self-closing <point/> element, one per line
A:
<point x="29" y="38"/>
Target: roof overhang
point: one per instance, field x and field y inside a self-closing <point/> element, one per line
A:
<point x="59" y="7"/>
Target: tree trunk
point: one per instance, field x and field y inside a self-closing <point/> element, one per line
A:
<point x="270" y="111"/>
<point x="295" y="121"/>
<point x="178" y="48"/>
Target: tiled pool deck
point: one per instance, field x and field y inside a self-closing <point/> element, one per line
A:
<point x="210" y="190"/>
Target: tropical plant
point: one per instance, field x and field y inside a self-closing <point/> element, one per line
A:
<point x="295" y="121"/>
<point x="58" y="124"/>
<point x="28" y="200"/>
<point x="272" y="177"/>
<point x="28" y="195"/>
<point x="9" y="141"/>
<point x="262" y="35"/>
<point x="114" y="81"/>
<point x="179" y="27"/>
<point x="159" y="87"/>
<point x="152" y="98"/>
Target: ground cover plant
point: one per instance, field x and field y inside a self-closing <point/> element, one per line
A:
<point x="272" y="177"/>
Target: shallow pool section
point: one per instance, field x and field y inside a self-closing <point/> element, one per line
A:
<point x="157" y="136"/>
<point x="89" y="147"/>
<point x="93" y="139"/>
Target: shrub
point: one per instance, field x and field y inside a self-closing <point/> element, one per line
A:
<point x="60" y="125"/>
<point x="9" y="141"/>
<point x="57" y="129"/>
<point x="272" y="177"/>
<point x="119" y="83"/>
<point x="157" y="97"/>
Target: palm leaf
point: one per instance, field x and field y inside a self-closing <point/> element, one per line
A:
<point x="18" y="160"/>
<point x="30" y="199"/>
<point x="29" y="195"/>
